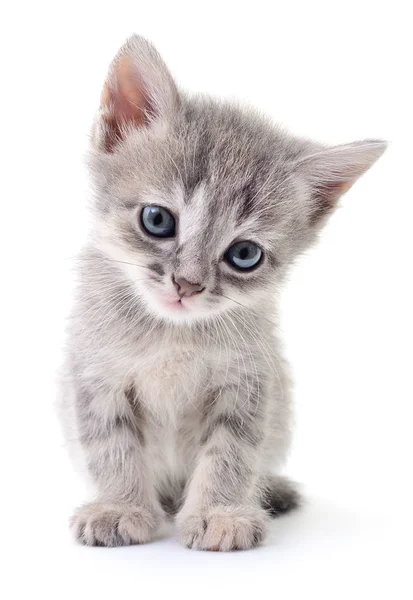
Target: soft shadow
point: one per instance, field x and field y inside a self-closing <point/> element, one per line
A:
<point x="315" y="521"/>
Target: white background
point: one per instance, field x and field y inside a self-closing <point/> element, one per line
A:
<point x="336" y="71"/>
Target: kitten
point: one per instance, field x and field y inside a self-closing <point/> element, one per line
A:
<point x="173" y="378"/>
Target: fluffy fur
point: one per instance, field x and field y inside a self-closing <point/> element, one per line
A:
<point x="181" y="407"/>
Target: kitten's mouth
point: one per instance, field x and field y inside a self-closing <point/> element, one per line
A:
<point x="175" y="303"/>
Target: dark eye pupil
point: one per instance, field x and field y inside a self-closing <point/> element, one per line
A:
<point x="158" y="219"/>
<point x="244" y="253"/>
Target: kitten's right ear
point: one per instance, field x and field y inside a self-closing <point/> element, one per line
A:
<point x="138" y="91"/>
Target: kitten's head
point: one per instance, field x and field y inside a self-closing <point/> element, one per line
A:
<point x="201" y="204"/>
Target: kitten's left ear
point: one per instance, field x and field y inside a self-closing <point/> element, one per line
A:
<point x="331" y="172"/>
<point x="139" y="90"/>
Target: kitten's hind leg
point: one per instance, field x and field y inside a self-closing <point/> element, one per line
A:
<point x="278" y="494"/>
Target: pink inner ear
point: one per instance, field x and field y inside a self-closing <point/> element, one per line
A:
<point x="124" y="102"/>
<point x="325" y="197"/>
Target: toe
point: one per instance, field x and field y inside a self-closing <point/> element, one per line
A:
<point x="113" y="525"/>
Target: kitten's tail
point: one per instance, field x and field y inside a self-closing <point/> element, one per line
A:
<point x="279" y="495"/>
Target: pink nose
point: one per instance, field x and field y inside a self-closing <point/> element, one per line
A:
<point x="185" y="288"/>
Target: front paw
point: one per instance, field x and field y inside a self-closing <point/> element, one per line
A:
<point x="223" y="528"/>
<point x="99" y="524"/>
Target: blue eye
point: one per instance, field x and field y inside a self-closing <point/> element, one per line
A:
<point x="244" y="256"/>
<point x="158" y="221"/>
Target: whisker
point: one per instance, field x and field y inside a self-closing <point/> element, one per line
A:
<point x="106" y="258"/>
<point x="249" y="309"/>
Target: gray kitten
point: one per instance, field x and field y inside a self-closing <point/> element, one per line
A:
<point x="173" y="382"/>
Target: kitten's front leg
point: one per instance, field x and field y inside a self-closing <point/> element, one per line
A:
<point x="127" y="509"/>
<point x="221" y="510"/>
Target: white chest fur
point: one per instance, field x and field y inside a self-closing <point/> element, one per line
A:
<point x="170" y="379"/>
